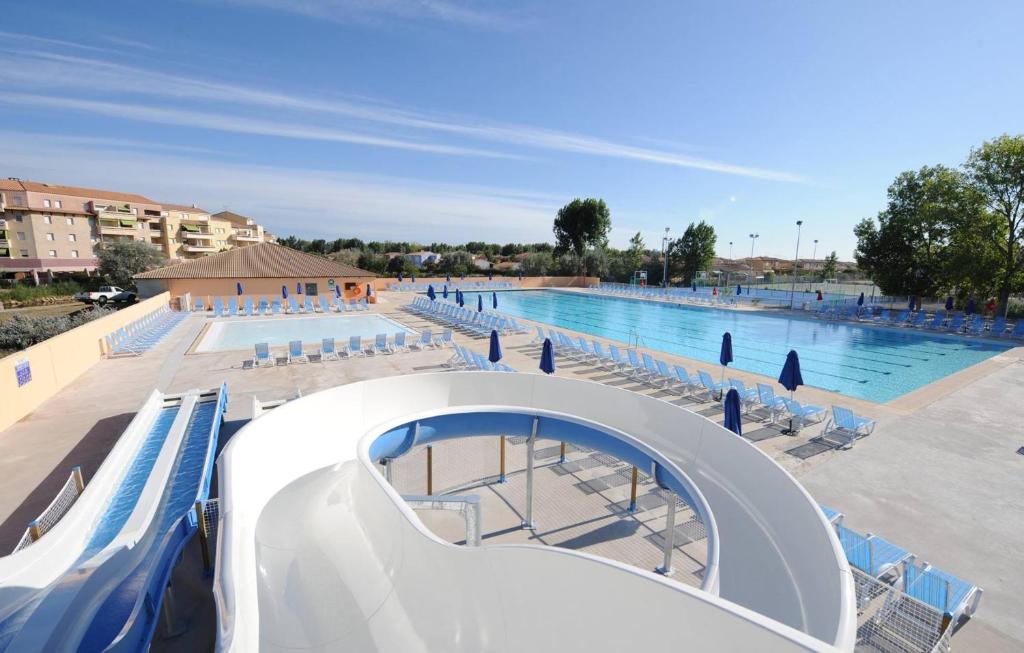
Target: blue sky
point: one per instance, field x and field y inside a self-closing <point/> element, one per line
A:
<point x="456" y="120"/>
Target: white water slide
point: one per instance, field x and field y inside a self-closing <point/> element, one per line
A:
<point x="318" y="552"/>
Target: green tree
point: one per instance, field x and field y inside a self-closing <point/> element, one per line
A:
<point x="458" y="262"/>
<point x="830" y="267"/>
<point x="693" y="252"/>
<point x="595" y="261"/>
<point x="579" y="225"/>
<point x="537" y="264"/>
<point x="120" y="260"/>
<point x="996" y="170"/>
<point x="634" y="256"/>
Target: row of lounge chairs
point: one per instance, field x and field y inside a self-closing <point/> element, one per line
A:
<point x="877" y="557"/>
<point x="940" y="321"/>
<point x="142" y="334"/>
<point x="464" y="319"/>
<point x="461" y="285"/>
<point x="679" y="295"/>
<point x="842" y="429"/>
<point x="322" y="304"/>
<point x="464" y="359"/>
<point x="327" y="351"/>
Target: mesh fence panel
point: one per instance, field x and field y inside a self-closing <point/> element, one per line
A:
<point x="889" y="621"/>
<point x="582" y="503"/>
<point x="59" y="507"/>
<point x="211" y="512"/>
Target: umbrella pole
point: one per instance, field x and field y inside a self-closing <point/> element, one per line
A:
<point x="789" y="431"/>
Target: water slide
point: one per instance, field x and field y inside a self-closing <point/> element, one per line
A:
<point x="317" y="552"/>
<point x="95" y="581"/>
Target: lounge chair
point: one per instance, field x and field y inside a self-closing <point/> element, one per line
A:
<point x="937" y="321"/>
<point x="399" y="344"/>
<point x="844" y="428"/>
<point x="602" y="357"/>
<point x="232" y="306"/>
<point x="654" y="376"/>
<point x="444" y="339"/>
<point x="901" y="318"/>
<point x="295" y="353"/>
<point x="636" y="369"/>
<point x="275" y="307"/>
<point x="998" y="327"/>
<point x="263" y="308"/>
<point x="293" y="306"/>
<point x="917" y="320"/>
<point x="325" y="307"/>
<point x="1018" y="330"/>
<point x="355" y="347"/>
<point x="308" y="304"/>
<point x="327" y="350"/>
<point x="945" y="592"/>
<point x="248" y="307"/>
<point x="871" y="554"/>
<point x="380" y="344"/>
<point x="539" y="338"/>
<point x="803" y="414"/>
<point x="620" y="362"/>
<point x="748" y="396"/>
<point x="834" y="517"/>
<point x="956" y="324"/>
<point x="426" y="340"/>
<point x="218" y="307"/>
<point x="714" y="389"/>
<point x="199" y="305"/>
<point x="689" y="383"/>
<point x="767" y="399"/>
<point x="976" y="326"/>
<point x="263" y="356"/>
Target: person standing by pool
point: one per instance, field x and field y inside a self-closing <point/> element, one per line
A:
<point x="990" y="307"/>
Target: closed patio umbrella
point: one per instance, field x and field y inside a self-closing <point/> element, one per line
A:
<point x="238" y="287"/>
<point x="490" y="276"/>
<point x="739" y="290"/>
<point x="480" y="303"/>
<point x="494" y="300"/>
<point x="448" y="278"/>
<point x="694" y="287"/>
<point x="462" y="300"/>
<point x="494" y="355"/>
<point x="913" y="302"/>
<point x="430" y="292"/>
<point x="298" y="287"/>
<point x="791" y="379"/>
<point x="284" y="292"/>
<point x="399" y="277"/>
<point x="969" y="309"/>
<point x="414" y="278"/>
<point x="860" y="300"/>
<point x="337" y="291"/>
<point x="949" y="303"/>
<point x="547" y="357"/>
<point x="444" y="291"/>
<point x="732" y="412"/>
<point x="725" y="354"/>
<point x="369" y="290"/>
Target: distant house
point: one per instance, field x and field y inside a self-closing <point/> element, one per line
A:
<point x="482" y="263"/>
<point x="506" y="266"/>
<point x="419" y="259"/>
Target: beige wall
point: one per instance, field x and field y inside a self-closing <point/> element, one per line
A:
<point x="207" y="289"/>
<point x="527" y="282"/>
<point x="56" y="362"/>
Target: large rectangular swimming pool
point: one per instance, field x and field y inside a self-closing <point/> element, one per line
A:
<point x="245" y="332"/>
<point x="873" y="363"/>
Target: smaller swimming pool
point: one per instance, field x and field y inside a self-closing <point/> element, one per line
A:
<point x="244" y="333"/>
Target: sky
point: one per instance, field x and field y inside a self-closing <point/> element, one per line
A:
<point x="459" y="120"/>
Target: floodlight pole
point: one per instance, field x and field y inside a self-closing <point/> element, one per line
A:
<point x="753" y="239"/>
<point x="664" y="254"/>
<point x="796" y="258"/>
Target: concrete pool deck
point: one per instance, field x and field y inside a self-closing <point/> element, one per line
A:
<point x="939" y="476"/>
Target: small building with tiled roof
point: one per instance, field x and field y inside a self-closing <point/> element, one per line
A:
<point x="261" y="269"/>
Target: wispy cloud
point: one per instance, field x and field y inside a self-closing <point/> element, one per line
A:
<point x="305" y="202"/>
<point x="17" y="37"/>
<point x="53" y="71"/>
<point x="373" y="11"/>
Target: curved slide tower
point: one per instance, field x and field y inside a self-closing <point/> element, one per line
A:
<point x="318" y="552"/>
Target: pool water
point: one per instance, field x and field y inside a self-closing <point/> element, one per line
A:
<point x="874" y="363"/>
<point x="244" y="332"/>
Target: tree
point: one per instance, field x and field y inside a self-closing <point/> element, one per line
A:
<point x="537" y="264"/>
<point x="459" y="262"/>
<point x="694" y="251"/>
<point x="996" y="170"/>
<point x="595" y="261"/>
<point x="828" y="270"/>
<point x="579" y="225"/>
<point x="634" y="256"/>
<point x="120" y="260"/>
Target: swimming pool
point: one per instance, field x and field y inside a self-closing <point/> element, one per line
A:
<point x="244" y="333"/>
<point x="873" y="363"/>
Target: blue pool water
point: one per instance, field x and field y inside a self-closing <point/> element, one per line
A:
<point x="873" y="363"/>
<point x="244" y="333"/>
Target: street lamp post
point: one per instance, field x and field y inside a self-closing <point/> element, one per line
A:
<point x="728" y="270"/>
<point x="753" y="239"/>
<point x="664" y="254"/>
<point x="796" y="258"/>
<point x="814" y="260"/>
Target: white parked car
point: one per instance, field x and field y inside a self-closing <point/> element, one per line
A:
<point x="106" y="294"/>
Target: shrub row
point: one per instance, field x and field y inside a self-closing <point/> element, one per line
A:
<point x="20" y="332"/>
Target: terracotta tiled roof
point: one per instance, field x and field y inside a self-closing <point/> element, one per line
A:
<point x="57" y="189"/>
<point x="183" y="207"/>
<point x="263" y="260"/>
<point x="233" y="217"/>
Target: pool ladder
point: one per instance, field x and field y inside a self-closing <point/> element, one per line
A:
<point x="635" y="339"/>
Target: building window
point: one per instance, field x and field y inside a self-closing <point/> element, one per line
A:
<point x="183" y="216"/>
<point x="49" y="236"/>
<point x="24" y="253"/>
<point x="47" y="218"/>
<point x="74" y="253"/>
<point x="57" y="203"/>
<point x="53" y="253"/>
<point x="72" y="238"/>
<point x="21" y="235"/>
<point x="19" y="218"/>
<point x="46" y="203"/>
<point x="135" y="211"/>
<point x="70" y="221"/>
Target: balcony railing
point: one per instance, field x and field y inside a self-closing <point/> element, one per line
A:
<point x="117" y="230"/>
<point x="199" y="247"/>
<point x="247" y="236"/>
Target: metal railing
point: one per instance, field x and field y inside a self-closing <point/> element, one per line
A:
<point x="61" y="504"/>
<point x="890" y="621"/>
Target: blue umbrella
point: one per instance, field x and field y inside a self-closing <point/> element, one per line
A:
<point x="694" y="287"/>
<point x="495" y="354"/>
<point x="494" y="300"/>
<point x="462" y="300"/>
<point x="284" y="292"/>
<point x="547" y="358"/>
<point x="430" y="292"/>
<point x="414" y="278"/>
<point x="725" y="355"/>
<point x="739" y="290"/>
<point x="913" y="300"/>
<point x="490" y="276"/>
<point x="791" y="379"/>
<point x="369" y="290"/>
<point x="337" y="291"/>
<point x="444" y="291"/>
<point x="970" y="306"/>
<point x="448" y="278"/>
<point x="949" y="303"/>
<point x="732" y="412"/>
<point x="399" y="277"/>
<point x="480" y="303"/>
<point x="298" y="287"/>
<point x="860" y="300"/>
<point x="238" y="287"/>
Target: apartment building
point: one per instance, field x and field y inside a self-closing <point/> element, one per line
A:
<point x="49" y="227"/>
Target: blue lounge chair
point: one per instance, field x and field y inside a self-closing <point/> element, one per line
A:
<point x="845" y="428"/>
<point x="324" y="306"/>
<point x="803" y="414"/>
<point x="327" y="350"/>
<point x="901" y="318"/>
<point x="248" y="307"/>
<point x="976" y="326"/>
<point x="426" y="340"/>
<point x="688" y="383"/>
<point x="380" y="344"/>
<point x="355" y="347"/>
<point x="218" y="307"/>
<point x="275" y="307"/>
<point x="399" y="344"/>
<point x="539" y="338"/>
<point x="602" y="357"/>
<point x="956" y="324"/>
<point x="199" y="305"/>
<point x="832" y="516"/>
<point x="232" y="306"/>
<point x="308" y="304"/>
<point x="295" y="353"/>
<point x="748" y="396"/>
<point x="293" y="306"/>
<point x="917" y="320"/>
<point x="775" y="406"/>
<point x="444" y="339"/>
<point x="620" y="362"/>
<point x="263" y="356"/>
<point x="1018" y="330"/>
<point x="937" y="321"/>
<point x="998" y="327"/>
<point x="636" y="369"/>
<point x="654" y="377"/>
<point x="263" y="308"/>
<point x="714" y="389"/>
<point x="945" y="592"/>
<point x="871" y="554"/>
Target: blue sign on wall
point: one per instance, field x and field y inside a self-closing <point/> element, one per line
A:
<point x="23" y="371"/>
